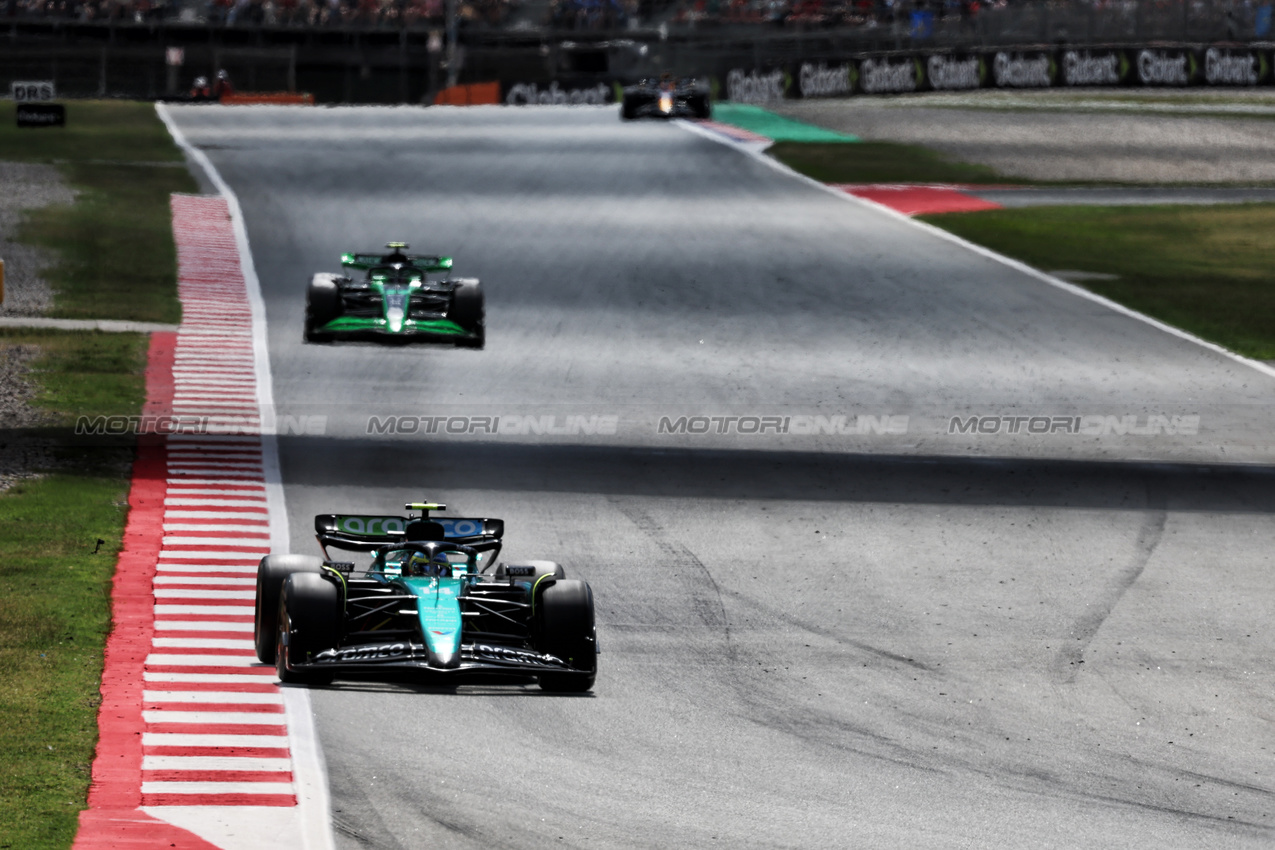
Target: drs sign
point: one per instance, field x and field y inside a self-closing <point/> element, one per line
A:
<point x="32" y="92"/>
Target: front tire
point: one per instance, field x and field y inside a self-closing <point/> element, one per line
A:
<point x="322" y="305"/>
<point x="309" y="622"/>
<point x="271" y="574"/>
<point x="468" y="309"/>
<point x="564" y="623"/>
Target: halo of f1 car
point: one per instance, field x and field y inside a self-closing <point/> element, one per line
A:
<point x="434" y="600"/>
<point x="402" y="296"/>
<point x="666" y="97"/>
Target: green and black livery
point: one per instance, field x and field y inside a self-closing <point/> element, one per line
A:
<point x="398" y="296"/>
<point x="433" y="601"/>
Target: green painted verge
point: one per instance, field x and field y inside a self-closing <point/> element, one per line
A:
<point x="764" y="123"/>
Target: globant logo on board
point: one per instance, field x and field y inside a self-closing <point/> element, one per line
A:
<point x="755" y="87"/>
<point x="1086" y="426"/>
<point x="1022" y="72"/>
<point x="947" y="73"/>
<point x="1161" y="68"/>
<point x="1081" y="68"/>
<point x="878" y="76"/>
<point x="529" y="94"/>
<point x="822" y="81"/>
<point x="1222" y="67"/>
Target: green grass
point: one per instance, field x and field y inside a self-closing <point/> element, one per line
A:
<point x="81" y="373"/>
<point x="114" y="245"/>
<point x="1205" y="269"/>
<point x="113" y="248"/>
<point x="96" y="130"/>
<point x="54" y="592"/>
<point x="879" y="162"/>
<point x="56" y="615"/>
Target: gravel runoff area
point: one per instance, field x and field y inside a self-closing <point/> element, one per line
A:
<point x="20" y="454"/>
<point x="1042" y="136"/>
<point x="26" y="186"/>
<point x="23" y="187"/>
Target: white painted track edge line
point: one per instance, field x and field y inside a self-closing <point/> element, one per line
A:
<point x="760" y="155"/>
<point x="309" y="773"/>
<point x="310" y="776"/>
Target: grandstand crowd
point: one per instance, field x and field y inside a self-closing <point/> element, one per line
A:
<point x="561" y="14"/>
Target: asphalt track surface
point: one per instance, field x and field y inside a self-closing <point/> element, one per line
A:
<point x="888" y="640"/>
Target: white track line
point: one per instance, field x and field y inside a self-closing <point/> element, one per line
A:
<point x="314" y="817"/>
<point x="760" y="156"/>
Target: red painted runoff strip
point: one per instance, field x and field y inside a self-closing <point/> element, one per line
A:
<point x="919" y="200"/>
<point x="206" y="368"/>
<point x="112" y="819"/>
<point x="211" y="800"/>
<point x="217" y="776"/>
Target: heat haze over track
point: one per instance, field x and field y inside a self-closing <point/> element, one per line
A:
<point x="866" y="631"/>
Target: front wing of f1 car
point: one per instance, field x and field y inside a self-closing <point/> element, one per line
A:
<point x="477" y="658"/>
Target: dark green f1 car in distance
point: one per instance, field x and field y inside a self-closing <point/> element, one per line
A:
<point x="433" y="602"/>
<point x="402" y="297"/>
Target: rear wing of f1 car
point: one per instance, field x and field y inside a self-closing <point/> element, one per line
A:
<point x="363" y="533"/>
<point x="424" y="262"/>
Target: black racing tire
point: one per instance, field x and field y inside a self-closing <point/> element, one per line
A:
<point x="271" y="573"/>
<point x="628" y="109"/>
<point x="540" y="570"/>
<point x="469" y="311"/>
<point x="322" y="305"/>
<point x="701" y="107"/>
<point x="310" y="620"/>
<point x="565" y="629"/>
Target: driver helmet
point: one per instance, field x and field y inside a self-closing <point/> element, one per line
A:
<point x="440" y="565"/>
<point x="421" y="564"/>
<point x="201" y="82"/>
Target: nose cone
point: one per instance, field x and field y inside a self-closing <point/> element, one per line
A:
<point x="444" y="650"/>
<point x="394" y="316"/>
<point x="438" y="606"/>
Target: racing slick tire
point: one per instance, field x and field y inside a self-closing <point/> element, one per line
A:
<point x="540" y="570"/>
<point x="309" y="622"/>
<point x="628" y="109"/>
<point x="467" y="310"/>
<point x="700" y="107"/>
<point x="322" y="305"/>
<point x="564" y="623"/>
<point x="271" y="573"/>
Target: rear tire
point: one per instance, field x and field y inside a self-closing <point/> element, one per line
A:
<point x="564" y="623"/>
<point x="271" y="573"/>
<point x="469" y="311"/>
<point x="322" y="305"/>
<point x="309" y="619"/>
<point x="701" y="107"/>
<point x="628" y="109"/>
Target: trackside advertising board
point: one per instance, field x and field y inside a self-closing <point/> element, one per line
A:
<point x="940" y="70"/>
<point x="1026" y="68"/>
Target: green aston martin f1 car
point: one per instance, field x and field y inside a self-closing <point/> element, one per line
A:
<point x="434" y="602"/>
<point x="401" y="296"/>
